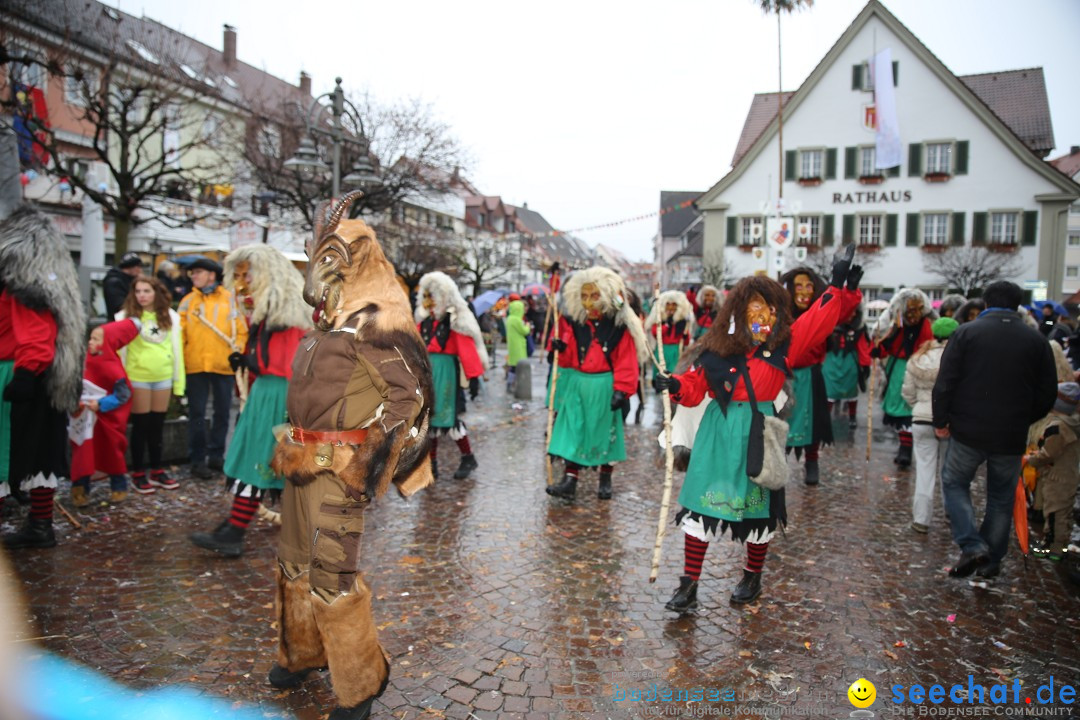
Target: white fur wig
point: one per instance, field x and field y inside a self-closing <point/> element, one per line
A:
<point x="612" y="303"/>
<point x="716" y="291"/>
<point x="893" y="316"/>
<point x="444" y="291"/>
<point x="277" y="287"/>
<point x="683" y="311"/>
<point x="37" y="269"/>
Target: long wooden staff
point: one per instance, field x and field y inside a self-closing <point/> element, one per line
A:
<point x="554" y="382"/>
<point x="870" y="407"/>
<point x="547" y="324"/>
<point x="669" y="456"/>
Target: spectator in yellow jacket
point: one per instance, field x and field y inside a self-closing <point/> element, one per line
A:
<point x="213" y="329"/>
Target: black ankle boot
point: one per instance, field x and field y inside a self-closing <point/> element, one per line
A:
<point x="281" y="678"/>
<point x="34" y="534"/>
<point x="685" y="598"/>
<point x="468" y="464"/>
<point x="603" y="490"/>
<point x="356" y="712"/>
<point x="226" y="539"/>
<point x="812" y="477"/>
<point x="748" y="588"/>
<point x="435" y="469"/>
<point x="567" y="488"/>
<point x="903" y="456"/>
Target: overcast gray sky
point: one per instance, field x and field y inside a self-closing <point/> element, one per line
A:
<point x="586" y="109"/>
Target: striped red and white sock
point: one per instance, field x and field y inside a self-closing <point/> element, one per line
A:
<point x="755" y="556"/>
<point x="243" y="510"/>
<point x="695" y="556"/>
<point x="41" y="503"/>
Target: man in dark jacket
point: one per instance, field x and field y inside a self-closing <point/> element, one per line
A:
<point x="117" y="282"/>
<point x="997" y="377"/>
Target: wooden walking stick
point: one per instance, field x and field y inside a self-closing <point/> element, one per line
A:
<point x="870" y="407"/>
<point x="547" y="324"/>
<point x="669" y="456"/>
<point x="69" y="516"/>
<point x="554" y="376"/>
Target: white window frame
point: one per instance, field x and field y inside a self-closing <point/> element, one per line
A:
<point x="814" y="221"/>
<point x="1073" y="240"/>
<point x="938" y="235"/>
<point x="73" y="89"/>
<point x="870" y="229"/>
<point x="746" y="236"/>
<point x="812" y="157"/>
<point x="1004" y="227"/>
<point x="934" y="293"/>
<point x="1074" y="209"/>
<point x="868" y="152"/>
<point x="20" y="72"/>
<point x="1072" y="271"/>
<point x="942" y="156"/>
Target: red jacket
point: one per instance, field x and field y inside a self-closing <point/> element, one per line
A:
<point x="26" y="336"/>
<point x="105" y="450"/>
<point x="623" y="365"/>
<point x="808" y="334"/>
<point x="461" y="346"/>
<point x="849" y="302"/>
<point x="894" y="343"/>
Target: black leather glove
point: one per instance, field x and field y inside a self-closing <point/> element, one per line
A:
<point x="21" y="387"/>
<point x="237" y="361"/>
<point x="619" y="399"/>
<point x="864" y="373"/>
<point x="558" y="345"/>
<point x="842" y="265"/>
<point x="854" y="277"/>
<point x="474" y="388"/>
<point x="875" y="352"/>
<point x="667" y="382"/>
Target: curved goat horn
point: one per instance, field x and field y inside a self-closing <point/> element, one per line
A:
<point x="339" y="210"/>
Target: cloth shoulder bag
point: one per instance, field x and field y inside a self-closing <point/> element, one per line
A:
<point x="766" y="461"/>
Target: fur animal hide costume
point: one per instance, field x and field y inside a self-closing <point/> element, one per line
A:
<point x="36" y="268"/>
<point x="359" y="402"/>
<point x="448" y="300"/>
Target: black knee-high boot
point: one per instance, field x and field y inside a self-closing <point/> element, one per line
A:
<point x="138" y="440"/>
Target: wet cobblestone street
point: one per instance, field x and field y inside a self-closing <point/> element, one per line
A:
<point x="494" y="600"/>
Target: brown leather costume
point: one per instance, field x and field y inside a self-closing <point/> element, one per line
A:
<point x="359" y="403"/>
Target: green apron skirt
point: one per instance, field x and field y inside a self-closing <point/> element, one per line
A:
<point x="7" y="371"/>
<point x="801" y="422"/>
<point x="671" y="358"/>
<point x="841" y="372"/>
<point x="897" y="411"/>
<point x="444" y="382"/>
<point x="587" y="431"/>
<point x="252" y="446"/>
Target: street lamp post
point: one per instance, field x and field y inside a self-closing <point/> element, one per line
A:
<point x="363" y="174"/>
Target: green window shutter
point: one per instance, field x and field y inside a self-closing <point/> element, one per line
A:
<point x="893" y="171"/>
<point x="961" y="158"/>
<point x="856" y="77"/>
<point x="978" y="228"/>
<point x="851" y="161"/>
<point x="895" y="72"/>
<point x="847" y="232"/>
<point x="732" y="229"/>
<point x="957" y="229"/>
<point x="791" y="159"/>
<point x="914" y="160"/>
<point x="912" y="230"/>
<point x="1031" y="221"/>
<point x="828" y="230"/>
<point x="892" y="224"/>
<point x="830" y="163"/>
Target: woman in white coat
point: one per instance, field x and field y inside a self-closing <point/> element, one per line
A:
<point x="919" y="378"/>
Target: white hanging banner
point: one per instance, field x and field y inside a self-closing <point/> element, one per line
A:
<point x="888" y="148"/>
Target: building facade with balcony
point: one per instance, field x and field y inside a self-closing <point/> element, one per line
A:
<point x="971" y="172"/>
<point x="1069" y="165"/>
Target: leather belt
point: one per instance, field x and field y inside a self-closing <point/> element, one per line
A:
<point x="337" y="437"/>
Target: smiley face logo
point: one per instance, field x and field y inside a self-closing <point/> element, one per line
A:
<point x="862" y="693"/>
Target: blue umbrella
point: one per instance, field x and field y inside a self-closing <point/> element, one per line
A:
<point x="185" y="260"/>
<point x="1059" y="309"/>
<point x="486" y="300"/>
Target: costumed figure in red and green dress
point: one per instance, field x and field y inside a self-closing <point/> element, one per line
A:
<point x="675" y="315"/>
<point x="810" y="424"/>
<point x="847" y="364"/>
<point x="269" y="287"/>
<point x="42" y="346"/>
<point x="754" y="338"/>
<point x="901" y="330"/>
<point x="708" y="303"/>
<point x="458" y="357"/>
<point x="600" y="342"/>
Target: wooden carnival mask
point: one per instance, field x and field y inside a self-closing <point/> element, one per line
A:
<point x="803" y="294"/>
<point x="760" y="319"/>
<point x="591" y="301"/>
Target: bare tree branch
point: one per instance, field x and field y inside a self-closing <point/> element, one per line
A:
<point x="972" y="267"/>
<point x="483" y="260"/>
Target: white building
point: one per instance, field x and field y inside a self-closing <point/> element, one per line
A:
<point x="971" y="171"/>
<point x="1070" y="285"/>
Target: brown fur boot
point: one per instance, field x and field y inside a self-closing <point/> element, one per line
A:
<point x="358" y="667"/>
<point x="300" y="646"/>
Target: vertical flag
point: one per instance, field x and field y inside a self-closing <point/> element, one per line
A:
<point x="888" y="150"/>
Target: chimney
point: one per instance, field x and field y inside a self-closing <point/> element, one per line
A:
<point x="229" y="49"/>
<point x="305" y="84"/>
